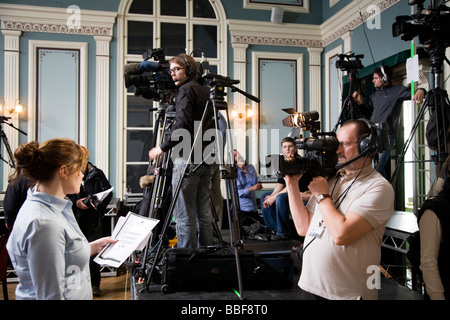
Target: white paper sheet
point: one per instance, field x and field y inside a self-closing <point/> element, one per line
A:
<point x="412" y="69"/>
<point x="102" y="195"/>
<point x="133" y="232"/>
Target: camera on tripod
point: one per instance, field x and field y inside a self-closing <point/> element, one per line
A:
<point x="349" y="62"/>
<point x="151" y="79"/>
<point x="431" y="25"/>
<point x="320" y="150"/>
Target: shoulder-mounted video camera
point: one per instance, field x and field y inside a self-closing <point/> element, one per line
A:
<point x="151" y="79"/>
<point x="320" y="150"/>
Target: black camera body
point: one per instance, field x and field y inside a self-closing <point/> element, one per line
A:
<point x="320" y="156"/>
<point x="91" y="200"/>
<point x="431" y="25"/>
<point x="152" y="80"/>
<point x="349" y="62"/>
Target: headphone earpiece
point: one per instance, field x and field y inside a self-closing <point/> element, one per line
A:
<point x="385" y="77"/>
<point x="368" y="142"/>
<point x="189" y="70"/>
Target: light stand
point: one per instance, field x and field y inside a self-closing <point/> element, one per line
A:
<point x="3" y="120"/>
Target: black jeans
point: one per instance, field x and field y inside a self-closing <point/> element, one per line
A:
<point x="305" y="295"/>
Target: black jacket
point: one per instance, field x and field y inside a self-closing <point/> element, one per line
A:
<point x="190" y="105"/>
<point x="440" y="206"/>
<point x="89" y="220"/>
<point x="15" y="196"/>
<point x="385" y="106"/>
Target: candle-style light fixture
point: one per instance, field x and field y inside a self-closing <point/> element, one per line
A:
<point x="10" y="109"/>
<point x="248" y="112"/>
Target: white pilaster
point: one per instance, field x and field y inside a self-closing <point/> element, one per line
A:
<point x="239" y="125"/>
<point x="11" y="94"/>
<point x="315" y="68"/>
<point x="347" y="38"/>
<point x="102" y="103"/>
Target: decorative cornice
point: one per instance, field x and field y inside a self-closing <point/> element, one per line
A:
<point x="55" y="20"/>
<point x="351" y="20"/>
<point x="56" y="28"/>
<point x="309" y="36"/>
<point x="266" y="33"/>
<point x="100" y="23"/>
<point x="273" y="41"/>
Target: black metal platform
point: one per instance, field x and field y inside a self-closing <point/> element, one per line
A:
<point x="390" y="290"/>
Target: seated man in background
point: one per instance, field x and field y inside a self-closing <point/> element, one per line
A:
<point x="247" y="184"/>
<point x="275" y="205"/>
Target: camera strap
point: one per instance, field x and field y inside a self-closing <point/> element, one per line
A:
<point x="337" y="202"/>
<point x="342" y="196"/>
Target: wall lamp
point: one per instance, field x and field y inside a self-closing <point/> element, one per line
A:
<point x="9" y="109"/>
<point x="248" y="112"/>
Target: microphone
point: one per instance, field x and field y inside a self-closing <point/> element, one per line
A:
<point x="342" y="165"/>
<point x="132" y="68"/>
<point x="180" y="79"/>
<point x="204" y="65"/>
<point x="146" y="181"/>
<point x="139" y="68"/>
<point x="149" y="66"/>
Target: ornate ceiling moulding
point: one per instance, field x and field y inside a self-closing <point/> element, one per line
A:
<point x="271" y="41"/>
<point x="306" y="35"/>
<point x="70" y="20"/>
<point x="56" y="28"/>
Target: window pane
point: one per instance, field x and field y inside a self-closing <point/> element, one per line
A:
<point x="139" y="143"/>
<point x="213" y="69"/>
<point x="139" y="114"/>
<point x="141" y="7"/>
<point x="205" y="38"/>
<point x="203" y="9"/>
<point x="173" y="38"/>
<point x="134" y="174"/>
<point x="173" y="8"/>
<point x="140" y="37"/>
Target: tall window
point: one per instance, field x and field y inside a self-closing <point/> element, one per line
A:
<point x="175" y="26"/>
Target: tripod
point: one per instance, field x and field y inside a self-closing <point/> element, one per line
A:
<point x="437" y="100"/>
<point x="155" y="196"/>
<point x="4" y="138"/>
<point x="348" y="109"/>
<point x="227" y="172"/>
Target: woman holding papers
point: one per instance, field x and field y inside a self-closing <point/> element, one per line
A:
<point x="49" y="252"/>
<point x="89" y="214"/>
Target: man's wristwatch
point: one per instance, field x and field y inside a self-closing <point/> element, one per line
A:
<point x="322" y="197"/>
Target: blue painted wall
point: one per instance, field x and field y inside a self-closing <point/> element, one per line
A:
<point x="378" y="43"/>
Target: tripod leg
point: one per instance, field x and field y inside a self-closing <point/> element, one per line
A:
<point x="233" y="219"/>
<point x="215" y="224"/>
<point x="408" y="141"/>
<point x="7" y="147"/>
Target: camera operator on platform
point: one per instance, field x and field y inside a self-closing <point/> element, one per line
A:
<point x="192" y="207"/>
<point x="344" y="220"/>
<point x="385" y="106"/>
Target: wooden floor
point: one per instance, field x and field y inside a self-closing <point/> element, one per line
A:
<point x="112" y="288"/>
